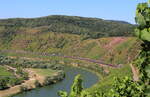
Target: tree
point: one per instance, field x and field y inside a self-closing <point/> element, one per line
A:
<point x="76" y="88"/>
<point x="3" y="83"/>
<point x="126" y="87"/>
<point x="143" y="21"/>
<point x="143" y="32"/>
<point x="63" y="94"/>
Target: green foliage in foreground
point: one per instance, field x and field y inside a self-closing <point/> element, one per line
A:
<point x="76" y="88"/>
<point x="143" y="21"/>
<point x="125" y="87"/>
<point x="143" y="32"/>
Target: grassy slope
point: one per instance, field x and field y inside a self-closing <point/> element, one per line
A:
<point x="5" y="72"/>
<point x="45" y="72"/>
<point x="73" y="45"/>
<point x="106" y="82"/>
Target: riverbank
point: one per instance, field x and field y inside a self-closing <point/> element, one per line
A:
<point x="84" y="67"/>
<point x="101" y="72"/>
<point x="98" y="71"/>
<point x="51" y="90"/>
<point x="39" y="79"/>
<point x="106" y="75"/>
<point x="35" y="80"/>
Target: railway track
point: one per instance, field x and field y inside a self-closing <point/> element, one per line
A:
<point x="63" y="56"/>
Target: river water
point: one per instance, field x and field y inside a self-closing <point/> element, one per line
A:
<point x="89" y="79"/>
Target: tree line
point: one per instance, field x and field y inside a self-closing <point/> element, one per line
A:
<point x="89" y="27"/>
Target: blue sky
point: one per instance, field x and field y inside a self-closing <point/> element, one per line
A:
<point x="106" y="9"/>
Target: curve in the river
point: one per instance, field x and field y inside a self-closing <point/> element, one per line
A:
<point x="51" y="91"/>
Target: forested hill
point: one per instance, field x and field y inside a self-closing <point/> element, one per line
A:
<point x="89" y="27"/>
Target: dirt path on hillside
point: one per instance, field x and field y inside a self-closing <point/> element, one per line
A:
<point x="115" y="41"/>
<point x="134" y="72"/>
<point x="101" y="63"/>
<point x="109" y="47"/>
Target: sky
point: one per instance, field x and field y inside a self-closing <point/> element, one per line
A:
<point x="123" y="10"/>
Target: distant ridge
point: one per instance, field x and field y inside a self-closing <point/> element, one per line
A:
<point x="89" y="27"/>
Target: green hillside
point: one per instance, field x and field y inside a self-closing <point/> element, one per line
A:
<point x="69" y="35"/>
<point x="113" y="50"/>
<point x="88" y="27"/>
<point x="96" y="39"/>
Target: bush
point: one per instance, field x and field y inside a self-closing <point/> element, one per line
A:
<point x="23" y="88"/>
<point x="37" y="83"/>
<point x="4" y="83"/>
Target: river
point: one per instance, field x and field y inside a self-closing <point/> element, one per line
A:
<point x="89" y="79"/>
